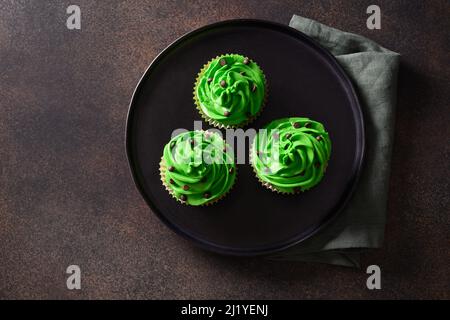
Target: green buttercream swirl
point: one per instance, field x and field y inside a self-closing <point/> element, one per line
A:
<point x="232" y="93"/>
<point x="199" y="166"/>
<point x="291" y="154"/>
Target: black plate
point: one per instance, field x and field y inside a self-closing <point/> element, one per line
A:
<point x="304" y="80"/>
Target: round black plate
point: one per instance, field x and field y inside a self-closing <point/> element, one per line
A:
<point x="304" y="80"/>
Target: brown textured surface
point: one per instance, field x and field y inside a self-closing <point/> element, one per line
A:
<point x="66" y="195"/>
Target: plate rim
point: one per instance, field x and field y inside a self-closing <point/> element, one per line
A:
<point x="356" y="106"/>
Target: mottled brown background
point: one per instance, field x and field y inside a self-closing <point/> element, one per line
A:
<point x="67" y="197"/>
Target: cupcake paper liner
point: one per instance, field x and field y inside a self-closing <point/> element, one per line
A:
<point x="215" y="123"/>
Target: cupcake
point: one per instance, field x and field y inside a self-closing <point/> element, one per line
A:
<point x="230" y="91"/>
<point x="291" y="154"/>
<point x="197" y="167"/>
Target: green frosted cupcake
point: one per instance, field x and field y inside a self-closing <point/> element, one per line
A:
<point x="197" y="167"/>
<point x="230" y="91"/>
<point x="291" y="155"/>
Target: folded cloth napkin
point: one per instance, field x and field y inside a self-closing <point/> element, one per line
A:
<point x="373" y="71"/>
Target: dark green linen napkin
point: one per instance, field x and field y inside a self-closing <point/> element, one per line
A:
<point x="373" y="71"/>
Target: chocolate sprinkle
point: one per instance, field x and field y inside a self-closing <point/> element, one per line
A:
<point x="288" y="135"/>
<point x="231" y="170"/>
<point x="307" y="125"/>
<point x="319" y="138"/>
<point x="223" y="84"/>
<point x="210" y="80"/>
<point x="223" y="62"/>
<point x="246" y="60"/>
<point x="185" y="187"/>
<point x="183" y="197"/>
<point x="296" y="125"/>
<point x="207" y="195"/>
<point x="192" y="142"/>
<point x="254" y="88"/>
<point x="171" y="169"/>
<point x="171" y="181"/>
<point x="226" y="113"/>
